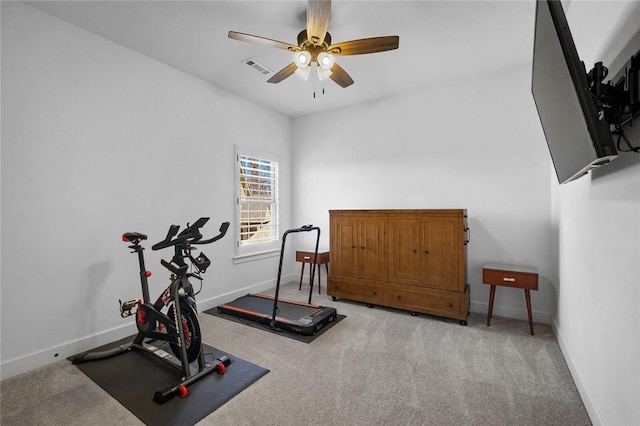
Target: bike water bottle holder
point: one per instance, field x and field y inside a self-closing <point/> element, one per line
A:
<point x="201" y="262"/>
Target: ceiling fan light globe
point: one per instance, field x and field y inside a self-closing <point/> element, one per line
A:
<point x="302" y="59"/>
<point x="323" y="74"/>
<point x="303" y="72"/>
<point x="325" y="60"/>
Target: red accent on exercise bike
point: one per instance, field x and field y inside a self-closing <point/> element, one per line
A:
<point x="141" y="318"/>
<point x="185" y="331"/>
<point x="147" y="274"/>
<point x="183" y="392"/>
<point x="221" y="368"/>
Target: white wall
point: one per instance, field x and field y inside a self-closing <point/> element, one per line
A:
<point x="90" y="129"/>
<point x="599" y="289"/>
<point x="598" y="220"/>
<point x="474" y="144"/>
<point x="98" y="140"/>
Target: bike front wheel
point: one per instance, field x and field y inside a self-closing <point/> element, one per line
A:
<point x="191" y="330"/>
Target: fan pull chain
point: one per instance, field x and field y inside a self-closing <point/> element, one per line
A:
<point x="314" y="92"/>
<point x="314" y="88"/>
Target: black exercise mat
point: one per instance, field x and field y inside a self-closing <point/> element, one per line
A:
<point x="260" y="326"/>
<point x="133" y="377"/>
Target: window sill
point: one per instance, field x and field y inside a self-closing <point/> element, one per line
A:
<point x="250" y="257"/>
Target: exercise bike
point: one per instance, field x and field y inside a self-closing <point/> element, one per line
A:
<point x="179" y="326"/>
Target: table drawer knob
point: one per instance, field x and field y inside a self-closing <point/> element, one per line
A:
<point x="512" y="280"/>
<point x="307" y="257"/>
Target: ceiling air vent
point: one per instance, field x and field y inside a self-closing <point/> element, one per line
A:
<point x="256" y="66"/>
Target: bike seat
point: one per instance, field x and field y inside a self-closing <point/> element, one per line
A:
<point x="133" y="237"/>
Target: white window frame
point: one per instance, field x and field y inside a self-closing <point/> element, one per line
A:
<point x="265" y="245"/>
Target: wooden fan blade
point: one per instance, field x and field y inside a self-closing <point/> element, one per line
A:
<point x="365" y="45"/>
<point x="283" y="73"/>
<point x="318" y="12"/>
<point x="262" y="40"/>
<point x="340" y="76"/>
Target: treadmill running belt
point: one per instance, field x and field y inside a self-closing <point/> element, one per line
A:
<point x="291" y="315"/>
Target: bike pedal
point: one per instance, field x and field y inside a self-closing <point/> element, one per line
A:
<point x="126" y="307"/>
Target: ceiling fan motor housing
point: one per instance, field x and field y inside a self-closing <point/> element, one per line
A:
<point x="314" y="49"/>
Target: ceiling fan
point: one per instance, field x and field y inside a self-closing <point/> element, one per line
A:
<point x="314" y="46"/>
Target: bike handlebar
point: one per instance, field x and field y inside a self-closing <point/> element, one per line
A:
<point x="191" y="234"/>
<point x="223" y="230"/>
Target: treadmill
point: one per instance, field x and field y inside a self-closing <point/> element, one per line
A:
<point x="284" y="314"/>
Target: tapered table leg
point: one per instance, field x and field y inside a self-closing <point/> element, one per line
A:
<point x="301" y="274"/>
<point x="528" y="297"/>
<point x="492" y="294"/>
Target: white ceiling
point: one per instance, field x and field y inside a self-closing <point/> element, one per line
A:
<point x="439" y="40"/>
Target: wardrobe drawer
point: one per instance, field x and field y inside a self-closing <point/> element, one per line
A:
<point x="419" y="301"/>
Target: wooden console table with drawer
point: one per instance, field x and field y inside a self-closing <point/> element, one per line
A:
<point x="523" y="277"/>
<point x="307" y="257"/>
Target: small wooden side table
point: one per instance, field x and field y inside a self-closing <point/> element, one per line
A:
<point x="307" y="257"/>
<point x="523" y="277"/>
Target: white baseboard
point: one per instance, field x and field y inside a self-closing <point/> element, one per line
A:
<point x="587" y="400"/>
<point x="511" y="312"/>
<point x="34" y="360"/>
<point x="25" y="363"/>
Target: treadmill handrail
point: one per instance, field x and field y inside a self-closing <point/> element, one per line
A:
<point x="304" y="228"/>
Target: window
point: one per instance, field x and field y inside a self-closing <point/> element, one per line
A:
<point x="257" y="203"/>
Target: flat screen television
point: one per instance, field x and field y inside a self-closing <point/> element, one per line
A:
<point x="577" y="139"/>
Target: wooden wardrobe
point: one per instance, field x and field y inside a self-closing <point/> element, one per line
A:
<point x="408" y="259"/>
